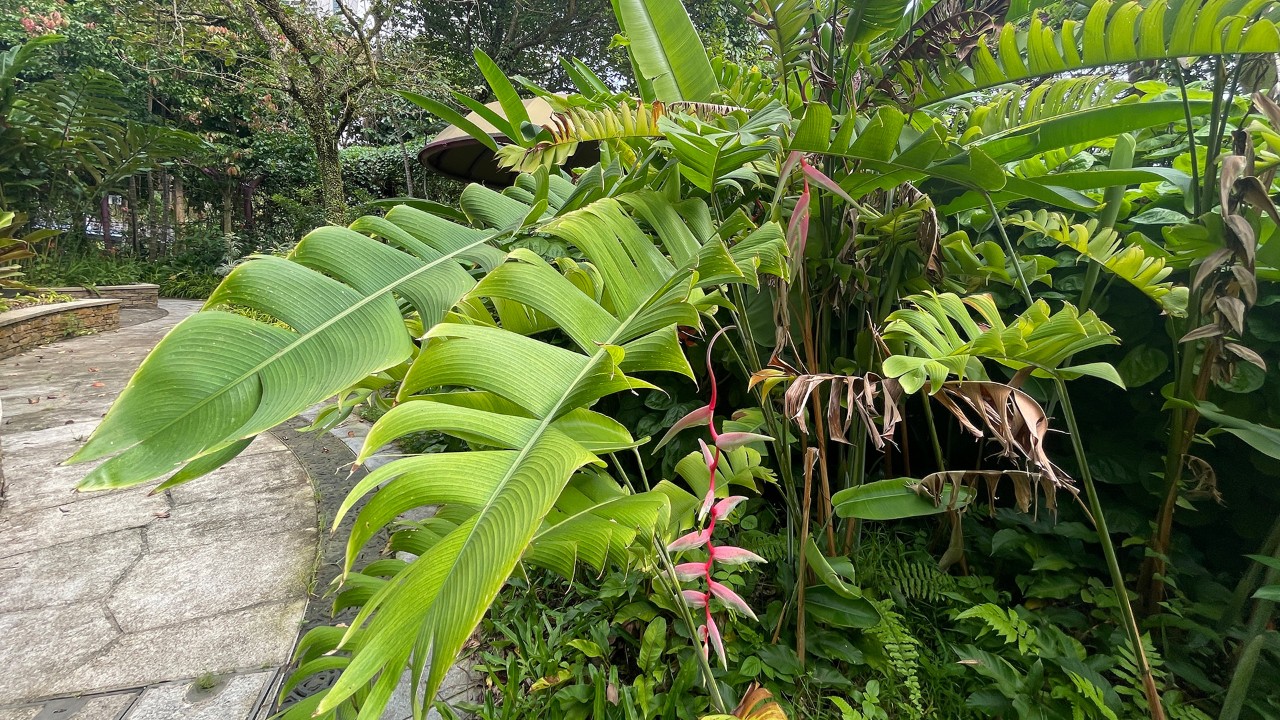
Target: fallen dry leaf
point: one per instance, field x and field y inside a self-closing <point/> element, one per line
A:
<point x="98" y="384"/>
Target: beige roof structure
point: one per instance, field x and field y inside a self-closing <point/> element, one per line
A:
<point x="458" y="155"/>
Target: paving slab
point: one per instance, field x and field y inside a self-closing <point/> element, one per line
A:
<point x="216" y="578"/>
<point x="231" y="697"/>
<point x="113" y="555"/>
<point x="118" y="604"/>
<point x="102" y="707"/>
<point x="255" y="638"/>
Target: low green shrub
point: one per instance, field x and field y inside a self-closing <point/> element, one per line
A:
<point x="175" y="278"/>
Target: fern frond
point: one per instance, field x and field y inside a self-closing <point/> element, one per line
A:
<point x="1113" y="33"/>
<point x="916" y="580"/>
<point x="1004" y="622"/>
<point x="902" y="650"/>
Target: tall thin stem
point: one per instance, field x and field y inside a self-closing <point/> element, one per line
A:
<point x="1013" y="252"/>
<point x="1109" y="553"/>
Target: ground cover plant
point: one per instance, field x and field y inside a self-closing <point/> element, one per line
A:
<point x="920" y="368"/>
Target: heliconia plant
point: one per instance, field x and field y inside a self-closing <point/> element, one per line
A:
<point x="711" y="511"/>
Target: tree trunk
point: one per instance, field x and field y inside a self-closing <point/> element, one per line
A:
<point x="133" y="215"/>
<point x="164" y="214"/>
<point x="324" y="138"/>
<point x="408" y="170"/>
<point x="104" y="217"/>
<point x="228" y="198"/>
<point x="152" y="250"/>
<point x="179" y="201"/>
<point x="247" y="189"/>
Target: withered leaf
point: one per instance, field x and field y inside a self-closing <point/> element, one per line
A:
<point x="1201" y="333"/>
<point x="1246" y="355"/>
<point x="1011" y="417"/>
<point x="1248" y="283"/>
<point x="1232" y="308"/>
<point x="1232" y="169"/>
<point x="1208" y="265"/>
<point x="868" y="396"/>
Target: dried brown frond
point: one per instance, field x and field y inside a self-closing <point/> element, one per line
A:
<point x="1010" y="417"/>
<point x="867" y="396"/>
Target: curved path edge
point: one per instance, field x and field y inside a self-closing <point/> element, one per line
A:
<point x="185" y="604"/>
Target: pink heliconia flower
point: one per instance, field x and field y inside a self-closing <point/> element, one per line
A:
<point x="698" y="599"/>
<point x="731" y="440"/>
<point x="712" y="459"/>
<point x="798" y="228"/>
<point x="713" y="638"/>
<point x="816" y="175"/>
<point x="730" y="555"/>
<point x="730" y="598"/>
<point x="708" y="455"/>
<point x="726" y="506"/>
<point x="695" y="539"/>
<point x="690" y="571"/>
<point x="701" y="416"/>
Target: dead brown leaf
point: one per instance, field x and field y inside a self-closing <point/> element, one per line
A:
<point x="1010" y="417"/>
<point x="867" y="396"/>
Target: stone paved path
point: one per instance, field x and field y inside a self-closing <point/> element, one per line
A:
<point x="123" y="606"/>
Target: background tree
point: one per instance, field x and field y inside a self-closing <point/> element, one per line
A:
<point x="326" y="65"/>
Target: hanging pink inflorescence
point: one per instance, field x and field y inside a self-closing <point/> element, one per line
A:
<point x="711" y="512"/>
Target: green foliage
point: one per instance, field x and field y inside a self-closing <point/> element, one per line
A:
<point x="177" y="278"/>
<point x="841" y="227"/>
<point x="1111" y="33"/>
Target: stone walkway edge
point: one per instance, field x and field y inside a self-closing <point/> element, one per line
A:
<point x="284" y="489"/>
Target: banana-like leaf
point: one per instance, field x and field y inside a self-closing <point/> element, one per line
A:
<point x="595" y="521"/>
<point x="1113" y="33"/>
<point x="1066" y="113"/>
<point x="870" y="19"/>
<point x="614" y="123"/>
<point x="526" y="405"/>
<point x="785" y="23"/>
<point x="1105" y="247"/>
<point x="219" y="378"/>
<point x="623" y="121"/>
<point x="666" y="51"/>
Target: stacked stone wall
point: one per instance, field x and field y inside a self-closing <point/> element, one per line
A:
<point x="34" y="326"/>
<point x="142" y="295"/>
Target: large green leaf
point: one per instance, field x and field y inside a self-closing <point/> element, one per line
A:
<point x="1113" y="33"/>
<point x="526" y="404"/>
<point x="894" y="499"/>
<point x="666" y="50"/>
<point x="219" y="378"/>
<point x="870" y="19"/>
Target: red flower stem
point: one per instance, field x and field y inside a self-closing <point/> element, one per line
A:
<point x="711" y="481"/>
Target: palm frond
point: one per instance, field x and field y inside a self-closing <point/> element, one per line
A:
<point x="1113" y="33"/>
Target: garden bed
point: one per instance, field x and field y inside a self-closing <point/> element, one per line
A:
<point x="137" y="295"/>
<point x="29" y="327"/>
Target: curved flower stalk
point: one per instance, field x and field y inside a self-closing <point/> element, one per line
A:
<point x="711" y="512"/>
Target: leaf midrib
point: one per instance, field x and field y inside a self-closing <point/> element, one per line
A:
<point x="542" y="427"/>
<point x="302" y="338"/>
